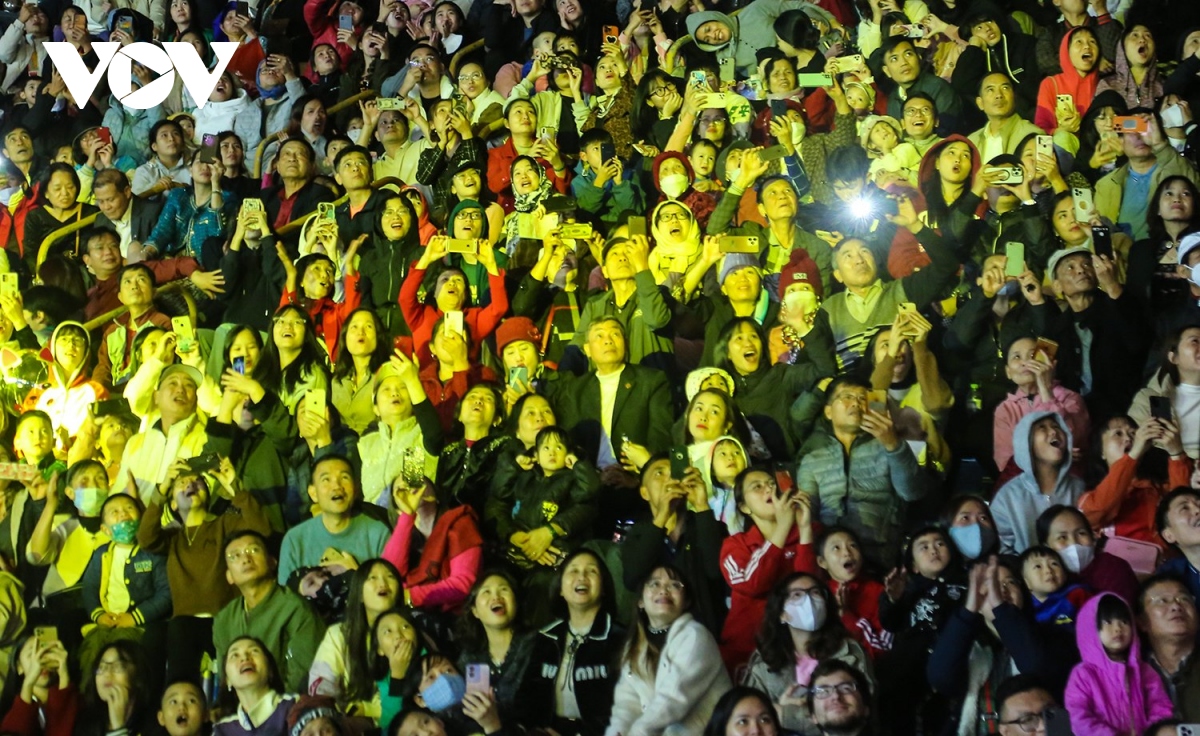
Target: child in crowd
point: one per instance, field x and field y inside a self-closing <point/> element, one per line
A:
<point x="1054" y="600"/>
<point x="839" y="554"/>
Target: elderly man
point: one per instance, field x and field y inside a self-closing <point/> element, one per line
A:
<point x="297" y="194"/>
<point x="1166" y="616"/>
<point x="133" y="218"/>
<point x="175" y="432"/>
<point x="1004" y="128"/>
<point x="103" y="259"/>
<point x="135" y="290"/>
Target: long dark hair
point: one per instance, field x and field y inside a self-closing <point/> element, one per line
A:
<point x="93" y="716"/>
<point x="227" y="700"/>
<point x="471" y="633"/>
<point x="1158" y="229"/>
<point x="379" y="663"/>
<point x="172" y="32"/>
<point x="608" y="597"/>
<point x="344" y="367"/>
<point x="723" y="711"/>
<point x="279" y="380"/>
<point x="797" y="29"/>
<point x="737" y="422"/>
<point x="360" y="676"/>
<point x="1152" y="465"/>
<point x="774" y="638"/>
<point x="58" y="167"/>
<point x="232" y="335"/>
<point x="644" y="116"/>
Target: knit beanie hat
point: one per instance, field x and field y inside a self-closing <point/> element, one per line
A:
<point x="800" y="269"/>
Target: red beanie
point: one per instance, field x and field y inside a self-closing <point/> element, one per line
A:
<point x="800" y="268"/>
<point x="517" y="328"/>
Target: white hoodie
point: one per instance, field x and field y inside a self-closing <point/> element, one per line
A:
<point x="239" y="114"/>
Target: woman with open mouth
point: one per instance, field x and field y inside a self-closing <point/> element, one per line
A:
<point x="1135" y="74"/>
<point x="581" y="644"/>
<point x="253" y="702"/>
<point x="492" y="636"/>
<point x="671" y="671"/>
<point x="1065" y="97"/>
<point x="117" y="692"/>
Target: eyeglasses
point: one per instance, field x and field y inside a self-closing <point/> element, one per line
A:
<point x="72" y="340"/>
<point x="1028" y="723"/>
<point x="1182" y="599"/>
<point x="659" y="91"/>
<point x="470" y="77"/>
<point x="111" y="667"/>
<point x="674" y="586"/>
<point x="917" y="112"/>
<point x="673" y="217"/>
<point x="469" y="215"/>
<point x="247" y="553"/>
<point x="825" y="692"/>
<point x="800" y="594"/>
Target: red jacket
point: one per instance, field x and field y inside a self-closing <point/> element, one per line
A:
<point x="103" y="297"/>
<point x="318" y="14"/>
<point x="446" y="396"/>
<point x="479" y="321"/>
<point x="499" y="174"/>
<point x="449" y="561"/>
<point x="328" y="315"/>
<point x="860" y="615"/>
<point x="60" y="710"/>
<point x="752" y="567"/>
<point x="1127" y="503"/>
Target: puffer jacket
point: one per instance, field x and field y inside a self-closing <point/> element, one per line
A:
<point x="865" y="492"/>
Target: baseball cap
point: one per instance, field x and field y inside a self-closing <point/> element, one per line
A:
<point x="186" y="370"/>
<point x="1058" y="255"/>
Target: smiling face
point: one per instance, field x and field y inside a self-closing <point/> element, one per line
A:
<point x="713" y="33"/>
<point x="495" y="603"/>
<point x="582" y="583"/>
<point x="745" y="349"/>
<point x="1083" y="51"/>
<point x="288" y="330"/>
<point x="841" y="557"/>
<point x="246" y="665"/>
<point x="467" y="184"/>
<point x="663" y="598"/>
<point x="333" y="488"/>
<point x="708" y="417"/>
<point x="176" y="396"/>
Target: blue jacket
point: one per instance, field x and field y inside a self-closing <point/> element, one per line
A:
<point x="145" y="577"/>
<point x="1182" y="569"/>
<point x="184" y="229"/>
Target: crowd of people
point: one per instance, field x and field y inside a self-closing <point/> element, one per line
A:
<point x="602" y="368"/>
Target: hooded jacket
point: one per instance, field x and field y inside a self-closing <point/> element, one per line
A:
<point x="701" y="204"/>
<point x="69" y="396"/>
<point x="1082" y="88"/>
<point x="239" y="114"/>
<point x="1122" y="82"/>
<point x="671" y="253"/>
<point x="751" y="30"/>
<point x="1106" y="697"/>
<point x="1020" y="501"/>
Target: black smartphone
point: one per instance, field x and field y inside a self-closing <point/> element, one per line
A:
<point x="108" y="407"/>
<point x="607" y="152"/>
<point x="239" y="365"/>
<point x="242" y="9"/>
<point x="779" y="108"/>
<point x="205" y="463"/>
<point x="1102" y="240"/>
<point x="1160" y="407"/>
<point x="380" y="28"/>
<point x="679" y="462"/>
<point x="208" y="148"/>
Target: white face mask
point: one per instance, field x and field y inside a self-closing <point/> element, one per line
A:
<point x="733" y="174"/>
<point x="1077" y="557"/>
<point x="798" y="131"/>
<point x="352" y="134"/>
<point x="805" y="614"/>
<point x="673" y="185"/>
<point x="804" y="302"/>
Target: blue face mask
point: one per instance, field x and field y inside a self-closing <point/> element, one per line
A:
<point x="124" y="532"/>
<point x="89" y="500"/>
<point x="973" y="540"/>
<point x="446" y="692"/>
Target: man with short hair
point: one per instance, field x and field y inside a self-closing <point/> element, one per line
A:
<point x="19" y="150"/>
<point x="423" y="79"/>
<point x="135" y="290"/>
<point x="1021" y="705"/>
<point x="21" y="47"/>
<point x="1004" y="128"/>
<point x="920" y="121"/>
<point x="858" y="472"/>
<point x="298" y="193"/>
<point x="339" y="535"/>
<point x="132" y="218"/>
<point x="1178" y="521"/>
<point x="1123" y="196"/>
<point x="175" y="431"/>
<point x="997" y="44"/>
<point x="169" y="167"/>
<point x="1166" y="615"/>
<point x="268" y="611"/>
<point x="902" y="65"/>
<point x="357" y="215"/>
<point x="839" y="699"/>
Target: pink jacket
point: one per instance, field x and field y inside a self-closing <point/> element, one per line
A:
<point x="1109" y="698"/>
<point x="1068" y="404"/>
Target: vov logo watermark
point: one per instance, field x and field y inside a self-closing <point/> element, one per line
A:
<point x="166" y="60"/>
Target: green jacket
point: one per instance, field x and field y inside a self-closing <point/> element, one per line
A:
<point x="647" y="320"/>
<point x="284" y="622"/>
